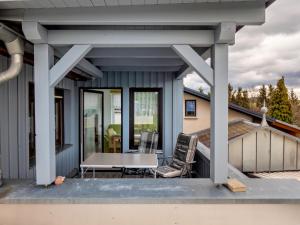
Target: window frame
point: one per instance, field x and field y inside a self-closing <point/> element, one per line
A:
<point x="132" y="91"/>
<point x="60" y="142"/>
<point x="185" y="108"/>
<point x="31" y="100"/>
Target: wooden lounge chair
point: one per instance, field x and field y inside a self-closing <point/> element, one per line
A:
<point x="182" y="160"/>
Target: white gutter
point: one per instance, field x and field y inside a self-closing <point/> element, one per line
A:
<point x="15" y="48"/>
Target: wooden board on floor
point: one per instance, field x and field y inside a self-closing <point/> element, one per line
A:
<point x="235" y="185"/>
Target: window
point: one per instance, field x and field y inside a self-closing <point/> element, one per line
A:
<point x="59" y="122"/>
<point x="31" y="114"/>
<point x="145" y="113"/>
<point x="59" y="118"/>
<point x="116" y="106"/>
<point x="190" y="108"/>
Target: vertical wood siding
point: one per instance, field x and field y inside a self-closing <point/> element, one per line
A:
<point x="172" y="100"/>
<point x="264" y="151"/>
<point x="14" y="122"/>
<point x="14" y="126"/>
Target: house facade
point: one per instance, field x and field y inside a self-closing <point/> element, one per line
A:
<point x="100" y="69"/>
<point x="197" y="117"/>
<point x="200" y="120"/>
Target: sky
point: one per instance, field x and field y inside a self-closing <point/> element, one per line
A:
<point x="262" y="54"/>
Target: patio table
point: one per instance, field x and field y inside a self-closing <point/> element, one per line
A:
<point x="119" y="160"/>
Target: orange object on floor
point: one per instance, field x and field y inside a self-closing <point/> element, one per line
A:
<point x="59" y="180"/>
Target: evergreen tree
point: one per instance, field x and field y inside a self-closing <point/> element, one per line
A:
<point x="200" y="89"/>
<point x="239" y="96"/>
<point x="280" y="106"/>
<point x="262" y="96"/>
<point x="245" y="99"/>
<point x="233" y="98"/>
<point x="271" y="90"/>
<point x="293" y="98"/>
<point x="295" y="107"/>
<point x="230" y="92"/>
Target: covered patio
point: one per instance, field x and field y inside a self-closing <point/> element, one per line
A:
<point x="131" y="48"/>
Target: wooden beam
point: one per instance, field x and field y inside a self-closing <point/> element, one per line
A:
<point x="183" y="73"/>
<point x="225" y="33"/>
<point x="35" y="32"/>
<point x="132" y="53"/>
<point x="142" y="68"/>
<point x="219" y="115"/>
<point x="67" y="63"/>
<point x="188" y="54"/>
<point x="207" y="14"/>
<point x="83" y="65"/>
<point x="44" y="115"/>
<point x="137" y="62"/>
<point x="132" y="38"/>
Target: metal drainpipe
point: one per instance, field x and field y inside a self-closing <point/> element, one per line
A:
<point x="15" y="48"/>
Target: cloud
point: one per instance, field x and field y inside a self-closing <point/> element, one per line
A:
<point x="262" y="54"/>
<point x="194" y="81"/>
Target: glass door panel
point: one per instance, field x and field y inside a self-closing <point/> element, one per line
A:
<point x="92" y="122"/>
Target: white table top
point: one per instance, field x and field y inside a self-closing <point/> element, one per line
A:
<point x="120" y="160"/>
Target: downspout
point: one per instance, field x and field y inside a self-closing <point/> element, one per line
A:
<point x="15" y="48"/>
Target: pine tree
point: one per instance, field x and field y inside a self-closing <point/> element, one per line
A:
<point x="271" y="90"/>
<point x="262" y="96"/>
<point x="233" y="98"/>
<point x="245" y="99"/>
<point x="239" y="96"/>
<point x="295" y="107"/>
<point x="293" y="98"/>
<point x="280" y="106"/>
<point x="200" y="89"/>
<point x="230" y="92"/>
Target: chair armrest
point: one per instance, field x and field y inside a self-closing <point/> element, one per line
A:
<point x="159" y="152"/>
<point x="133" y="151"/>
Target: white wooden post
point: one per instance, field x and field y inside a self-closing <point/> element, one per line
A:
<point x="219" y="115"/>
<point x="44" y="115"/>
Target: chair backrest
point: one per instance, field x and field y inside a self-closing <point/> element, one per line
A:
<point x="148" y="142"/>
<point x="184" y="151"/>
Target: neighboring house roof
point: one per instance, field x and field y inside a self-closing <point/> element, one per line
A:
<point x="240" y="128"/>
<point x="232" y="106"/>
<point x="235" y="129"/>
<point x="253" y="148"/>
<point x="291" y="129"/>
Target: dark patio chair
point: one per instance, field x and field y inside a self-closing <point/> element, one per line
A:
<point x="148" y="143"/>
<point x="182" y="160"/>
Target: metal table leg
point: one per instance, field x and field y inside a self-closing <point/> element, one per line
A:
<point x="94" y="175"/>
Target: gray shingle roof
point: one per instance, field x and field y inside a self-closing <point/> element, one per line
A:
<point x="235" y="129"/>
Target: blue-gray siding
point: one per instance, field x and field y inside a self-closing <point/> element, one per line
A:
<point x="172" y="100"/>
<point x="14" y="121"/>
<point x="14" y="127"/>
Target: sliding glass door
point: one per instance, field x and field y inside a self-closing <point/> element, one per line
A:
<point x="91" y="122"/>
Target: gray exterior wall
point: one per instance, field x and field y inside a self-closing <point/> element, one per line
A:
<point x="172" y="100"/>
<point x="14" y="121"/>
<point x="14" y="126"/>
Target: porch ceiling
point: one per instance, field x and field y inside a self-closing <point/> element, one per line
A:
<point x="12" y="4"/>
<point x="135" y="59"/>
